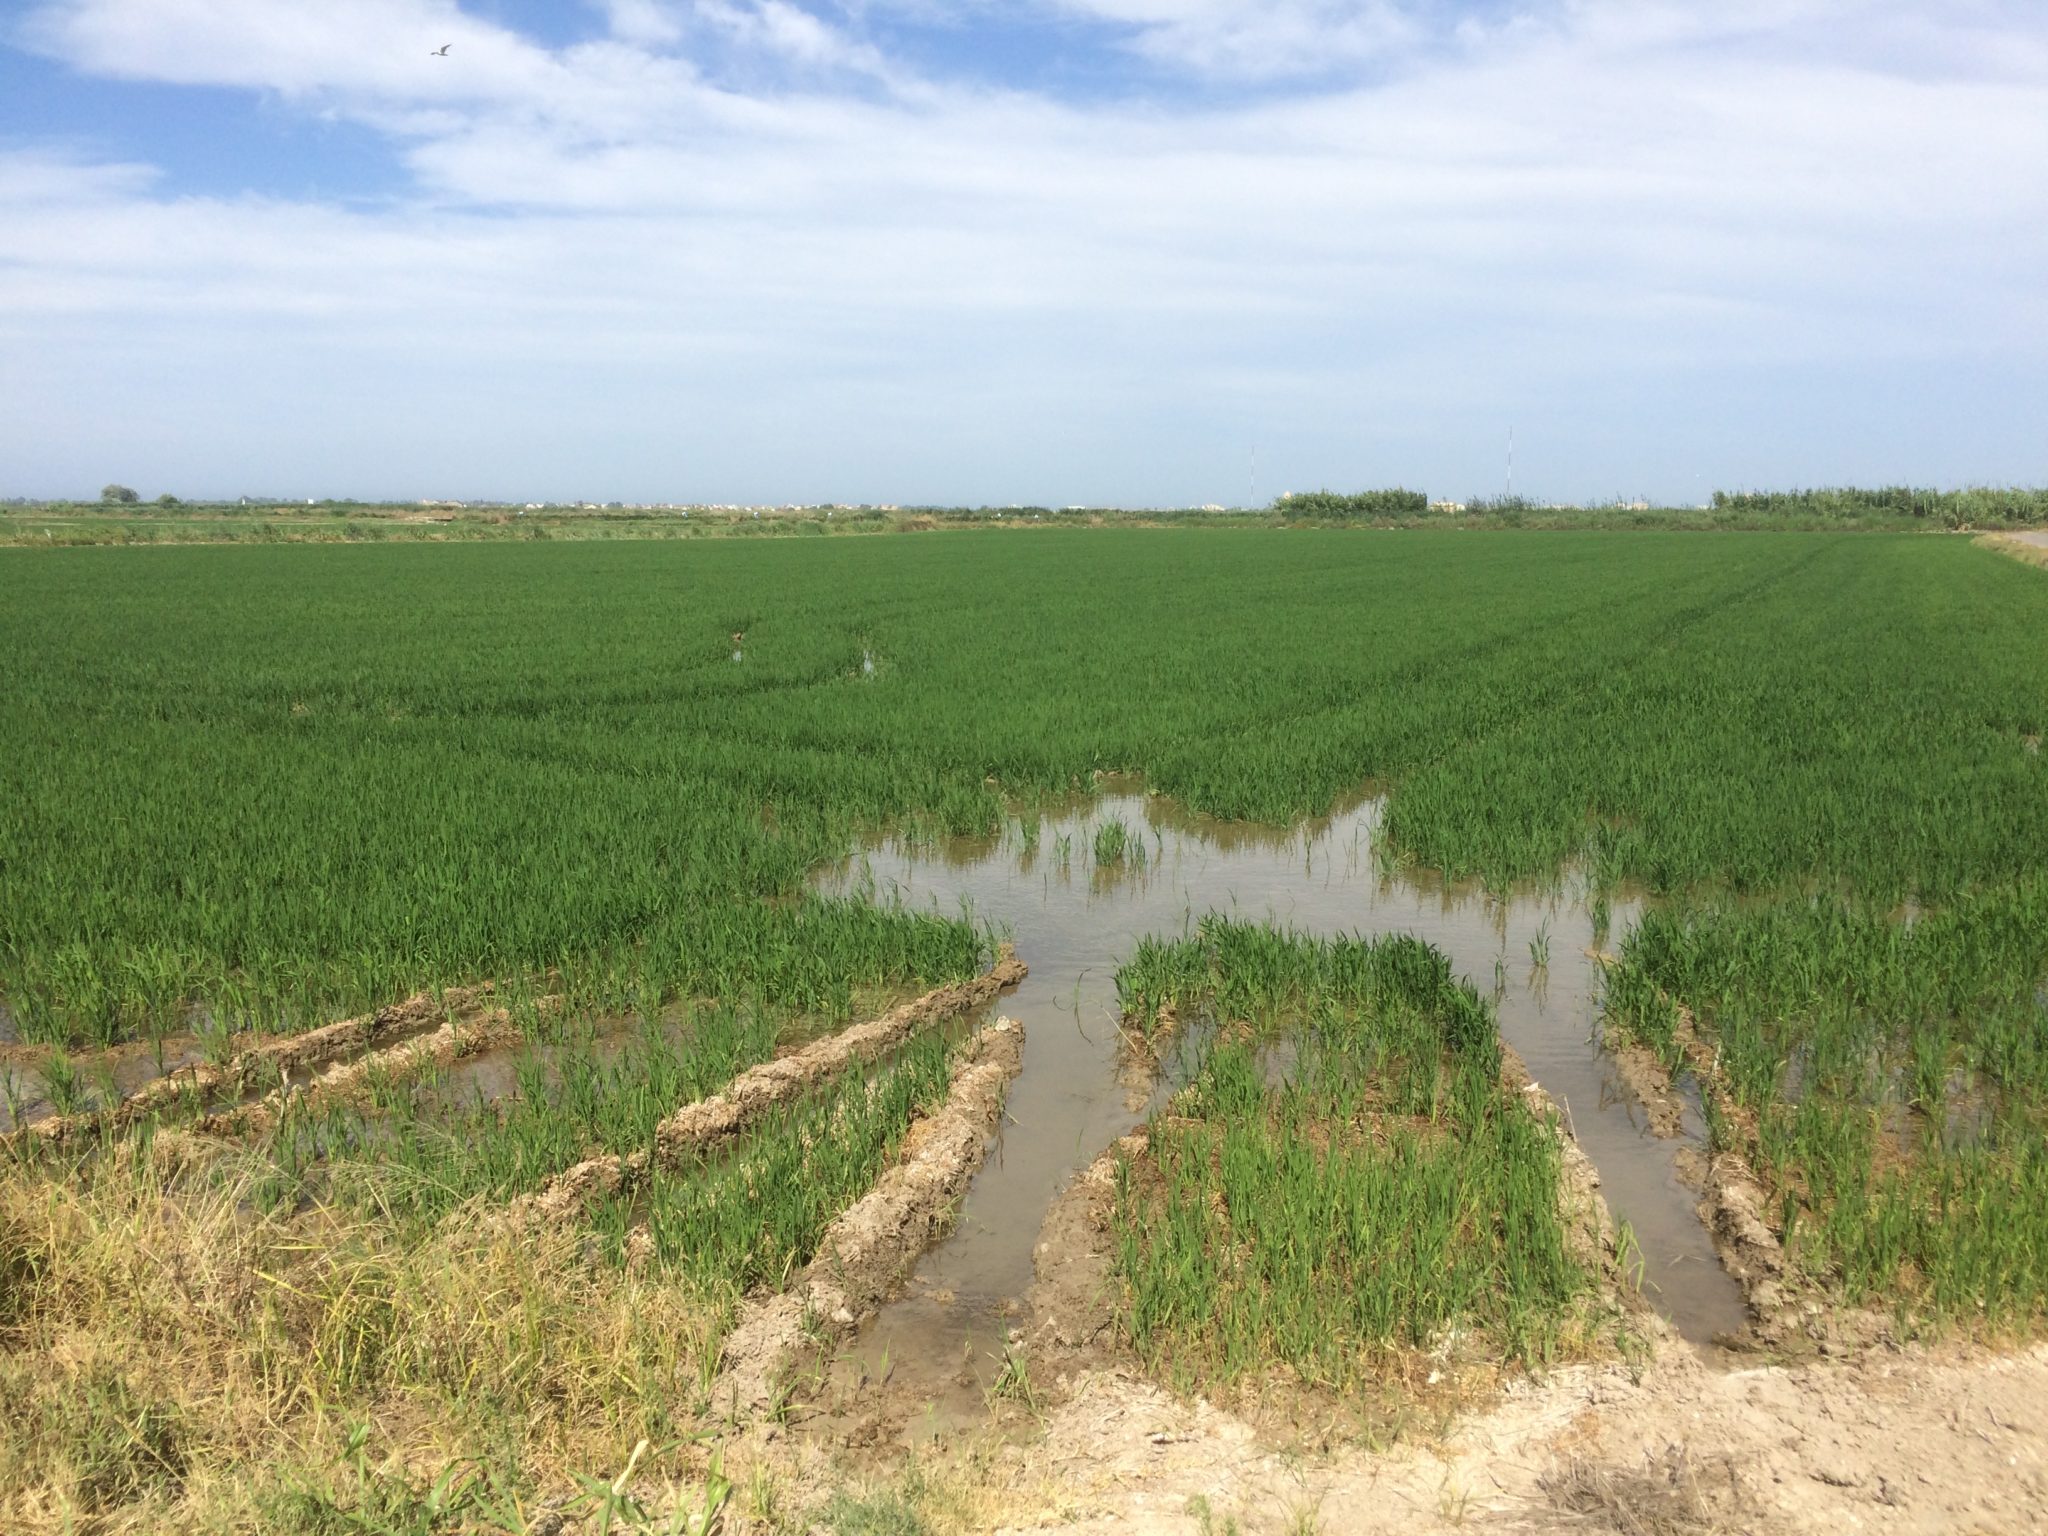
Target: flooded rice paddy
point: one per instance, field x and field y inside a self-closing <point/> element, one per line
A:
<point x="1074" y="920"/>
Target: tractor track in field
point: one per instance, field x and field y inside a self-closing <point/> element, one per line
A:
<point x="252" y="1070"/>
<point x="868" y="1249"/>
<point x="701" y="1126"/>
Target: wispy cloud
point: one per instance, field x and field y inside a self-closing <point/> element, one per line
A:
<point x="710" y="217"/>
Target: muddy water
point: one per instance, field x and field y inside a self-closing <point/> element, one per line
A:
<point x="1074" y="921"/>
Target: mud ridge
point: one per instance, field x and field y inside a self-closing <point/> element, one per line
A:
<point x="249" y="1070"/>
<point x="1642" y="1072"/>
<point x="347" y="1082"/>
<point x="870" y="1247"/>
<point x="1072" y="1303"/>
<point x="701" y="1126"/>
<point x="1736" y="1208"/>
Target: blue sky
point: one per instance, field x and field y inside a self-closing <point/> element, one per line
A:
<point x="1054" y="251"/>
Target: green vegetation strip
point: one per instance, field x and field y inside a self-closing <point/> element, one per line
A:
<point x="278" y="786"/>
<point x="1346" y="1176"/>
<point x="1890" y="1083"/>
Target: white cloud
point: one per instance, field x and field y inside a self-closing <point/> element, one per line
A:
<point x="908" y="268"/>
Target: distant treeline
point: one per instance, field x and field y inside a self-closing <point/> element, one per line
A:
<point x="1974" y="507"/>
<point x="1347" y="506"/>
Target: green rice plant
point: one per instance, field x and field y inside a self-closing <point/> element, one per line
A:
<point x="1384" y="1190"/>
<point x="418" y="1149"/>
<point x="63" y="1083"/>
<point x="749" y="1217"/>
<point x="1112" y="841"/>
<point x="222" y="796"/>
<point x="1892" y="1082"/>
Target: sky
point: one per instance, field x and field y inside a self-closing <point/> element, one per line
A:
<point x="1129" y="252"/>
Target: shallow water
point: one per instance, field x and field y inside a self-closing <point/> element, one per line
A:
<point x="1074" y="922"/>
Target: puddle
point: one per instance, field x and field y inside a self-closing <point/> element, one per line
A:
<point x="1074" y="920"/>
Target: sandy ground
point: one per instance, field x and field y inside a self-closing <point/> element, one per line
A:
<point x="1894" y="1442"/>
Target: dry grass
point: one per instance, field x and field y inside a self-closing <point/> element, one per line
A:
<point x="2029" y="550"/>
<point x="171" y="1359"/>
<point x="1671" y="1495"/>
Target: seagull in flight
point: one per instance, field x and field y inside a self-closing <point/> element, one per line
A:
<point x="441" y="52"/>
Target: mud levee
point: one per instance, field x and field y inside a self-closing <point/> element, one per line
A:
<point x="702" y="1126"/>
<point x="1736" y="1208"/>
<point x="252" y="1069"/>
<point x="869" y="1248"/>
<point x="346" y="1082"/>
<point x="1588" y="1223"/>
<point x="1734" y="1204"/>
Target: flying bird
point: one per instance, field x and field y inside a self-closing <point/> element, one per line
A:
<point x="441" y="52"/>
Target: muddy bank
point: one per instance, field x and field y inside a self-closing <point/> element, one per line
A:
<point x="1588" y="1224"/>
<point x="702" y="1126"/>
<point x="868" y="1250"/>
<point x="1787" y="1309"/>
<point x="254" y="1069"/>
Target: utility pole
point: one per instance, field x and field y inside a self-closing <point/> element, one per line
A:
<point x="1511" y="463"/>
<point x="1255" y="476"/>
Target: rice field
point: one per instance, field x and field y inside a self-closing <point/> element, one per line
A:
<point x="1887" y="1080"/>
<point x="1346" y="1177"/>
<point x="554" y="816"/>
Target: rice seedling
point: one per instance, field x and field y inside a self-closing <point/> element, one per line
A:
<point x="1113" y="841"/>
<point x="1386" y="1190"/>
<point x="63" y="1083"/>
<point x="1891" y="1082"/>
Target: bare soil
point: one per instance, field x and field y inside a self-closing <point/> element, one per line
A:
<point x="1886" y="1442"/>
